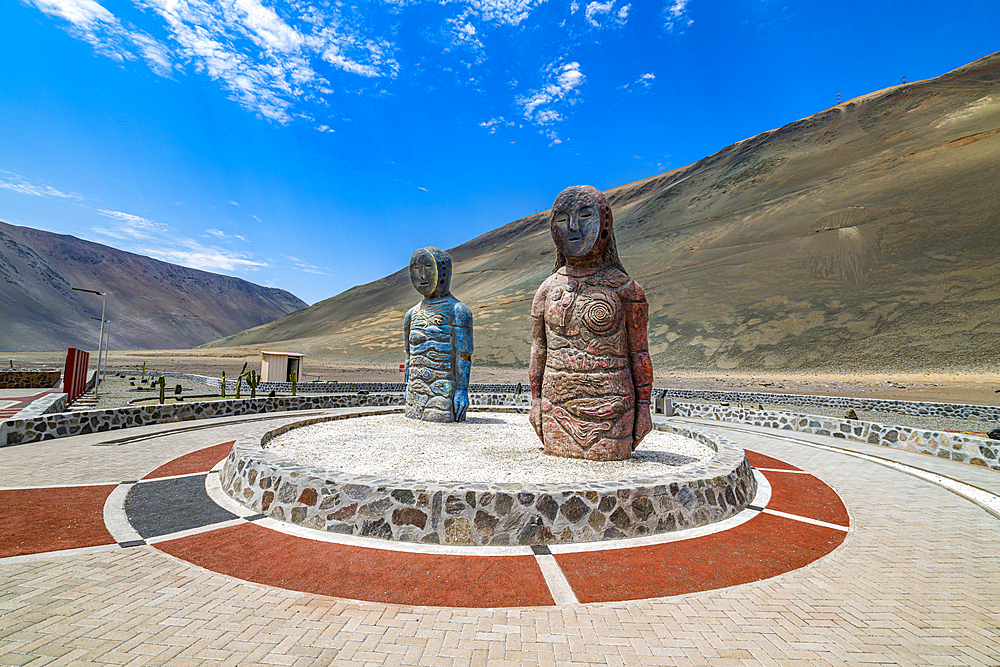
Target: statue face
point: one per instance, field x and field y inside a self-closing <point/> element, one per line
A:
<point x="424" y="272"/>
<point x="576" y="225"/>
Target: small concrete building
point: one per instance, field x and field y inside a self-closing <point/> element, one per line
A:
<point x="279" y="366"/>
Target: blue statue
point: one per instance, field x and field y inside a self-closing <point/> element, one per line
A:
<point x="438" y="341"/>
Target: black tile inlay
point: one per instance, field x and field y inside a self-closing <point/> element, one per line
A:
<point x="755" y="508"/>
<point x="160" y="507"/>
<point x="255" y="517"/>
<point x="132" y="543"/>
<point x="540" y="550"/>
<point x="131" y="482"/>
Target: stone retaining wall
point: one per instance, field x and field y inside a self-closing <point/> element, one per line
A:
<point x="53" y="402"/>
<point x="336" y="387"/>
<point x="61" y="425"/>
<point x="464" y="513"/>
<point x="29" y="379"/>
<point x="918" y="408"/>
<point x="954" y="446"/>
<point x="989" y="413"/>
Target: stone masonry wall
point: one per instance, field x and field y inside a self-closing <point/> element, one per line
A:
<point x="470" y="513"/>
<point x="61" y="425"/>
<point x="336" y="387"/>
<point x="917" y="408"/>
<point x="21" y="379"/>
<point x="954" y="446"/>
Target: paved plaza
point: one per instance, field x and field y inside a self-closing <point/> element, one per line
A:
<point x="909" y="574"/>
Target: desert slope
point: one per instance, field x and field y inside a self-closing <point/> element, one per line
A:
<point x="865" y="236"/>
<point x="151" y="304"/>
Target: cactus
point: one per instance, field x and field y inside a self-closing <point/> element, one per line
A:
<point x="223" y="384"/>
<point x="163" y="384"/>
<point x="143" y="372"/>
<point x="253" y="380"/>
<point x="295" y="380"/>
<point x="239" y="379"/>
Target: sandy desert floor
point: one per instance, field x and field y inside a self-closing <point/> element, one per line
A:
<point x="956" y="387"/>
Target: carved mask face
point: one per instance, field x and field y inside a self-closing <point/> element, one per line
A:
<point x="576" y="223"/>
<point x="430" y="274"/>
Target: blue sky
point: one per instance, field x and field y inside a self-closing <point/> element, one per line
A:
<point x="312" y="145"/>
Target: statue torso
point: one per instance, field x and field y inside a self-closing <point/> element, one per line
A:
<point x="587" y="391"/>
<point x="431" y="374"/>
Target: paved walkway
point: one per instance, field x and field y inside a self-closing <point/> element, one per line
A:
<point x="916" y="582"/>
<point x="13" y="401"/>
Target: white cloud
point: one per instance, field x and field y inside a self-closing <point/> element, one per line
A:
<point x="19" y="184"/>
<point x="597" y="12"/>
<point x="219" y="234"/>
<point x="281" y="59"/>
<point x="493" y="124"/>
<point x="90" y="21"/>
<point x="156" y="240"/>
<point x="563" y="82"/>
<point x="132" y="226"/>
<point x="306" y="267"/>
<point x="644" y="81"/>
<point x="676" y="17"/>
<point x="205" y="258"/>
<point x="265" y="55"/>
<point x="77" y="12"/>
<point x="510" y="12"/>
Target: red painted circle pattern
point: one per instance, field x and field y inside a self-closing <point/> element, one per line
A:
<point x="763" y="547"/>
<point x="804" y="520"/>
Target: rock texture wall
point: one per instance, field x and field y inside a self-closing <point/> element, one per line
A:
<point x="954" y="446"/>
<point x="464" y="513"/>
<point x="20" y="379"/>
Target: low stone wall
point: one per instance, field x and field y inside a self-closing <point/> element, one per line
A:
<point x="954" y="446"/>
<point x="335" y="387"/>
<point x="46" y="427"/>
<point x="989" y="413"/>
<point x="465" y="513"/>
<point x="29" y="379"/>
<point x="50" y="403"/>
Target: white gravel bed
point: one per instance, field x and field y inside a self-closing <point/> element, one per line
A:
<point x="489" y="447"/>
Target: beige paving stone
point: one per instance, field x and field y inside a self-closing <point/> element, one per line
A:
<point x="917" y="583"/>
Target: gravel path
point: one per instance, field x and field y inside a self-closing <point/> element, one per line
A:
<point x="489" y="447"/>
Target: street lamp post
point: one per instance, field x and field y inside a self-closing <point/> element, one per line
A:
<point x="100" y="345"/>
<point x="107" y="349"/>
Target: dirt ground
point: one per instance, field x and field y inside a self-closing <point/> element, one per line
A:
<point x="983" y="389"/>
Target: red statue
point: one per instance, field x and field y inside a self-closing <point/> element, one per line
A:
<point x="590" y="372"/>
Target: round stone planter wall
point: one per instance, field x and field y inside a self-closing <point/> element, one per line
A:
<point x="464" y="513"/>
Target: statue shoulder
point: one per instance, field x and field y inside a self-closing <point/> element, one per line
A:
<point x="632" y="291"/>
<point x="463" y="315"/>
<point x="541" y="296"/>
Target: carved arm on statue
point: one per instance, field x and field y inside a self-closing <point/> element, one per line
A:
<point x="636" y="317"/>
<point x="406" y="347"/>
<point x="536" y="371"/>
<point x="463" y="360"/>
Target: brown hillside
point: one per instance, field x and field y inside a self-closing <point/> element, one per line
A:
<point x="866" y="236"/>
<point x="151" y="304"/>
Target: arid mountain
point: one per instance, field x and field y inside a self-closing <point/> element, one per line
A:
<point x="151" y="304"/>
<point x="864" y="237"/>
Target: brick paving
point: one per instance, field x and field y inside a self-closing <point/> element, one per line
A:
<point x="917" y="582"/>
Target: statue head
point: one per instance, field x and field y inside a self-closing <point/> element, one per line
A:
<point x="583" y="228"/>
<point x="430" y="272"/>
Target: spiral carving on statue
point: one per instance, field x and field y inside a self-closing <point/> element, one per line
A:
<point x="600" y="313"/>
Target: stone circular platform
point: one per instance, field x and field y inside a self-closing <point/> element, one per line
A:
<point x="487" y="513"/>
